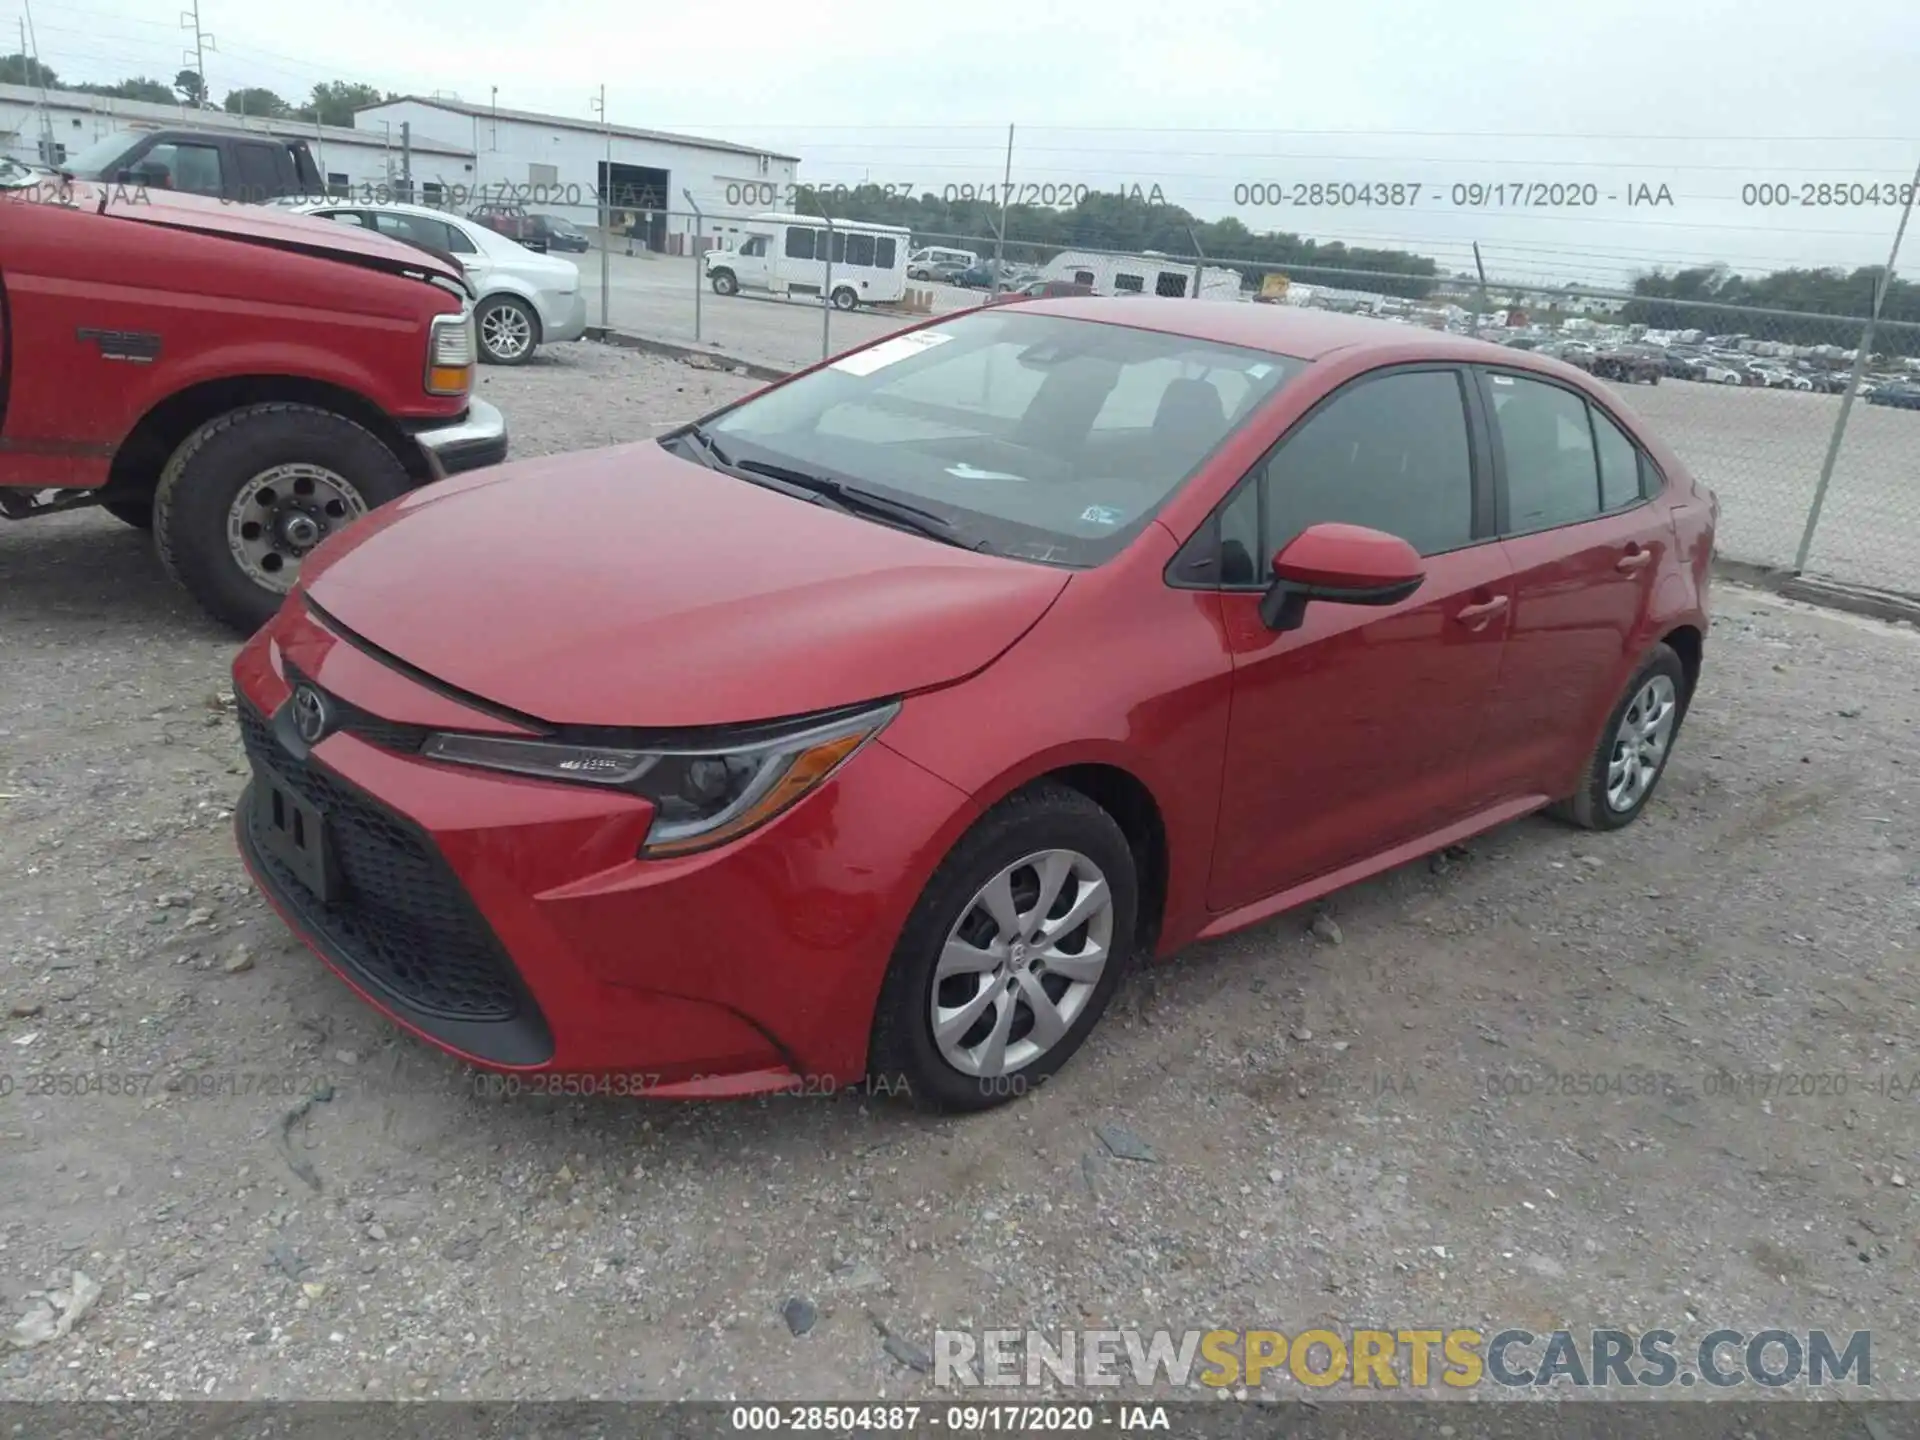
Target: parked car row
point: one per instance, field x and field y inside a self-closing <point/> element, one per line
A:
<point x="1638" y="363"/>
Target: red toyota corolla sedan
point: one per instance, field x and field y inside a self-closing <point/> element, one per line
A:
<point x="871" y="727"/>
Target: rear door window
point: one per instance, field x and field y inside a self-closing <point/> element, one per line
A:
<point x="1619" y="464"/>
<point x="1545" y="441"/>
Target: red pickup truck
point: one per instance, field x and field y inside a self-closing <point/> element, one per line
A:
<point x="240" y="380"/>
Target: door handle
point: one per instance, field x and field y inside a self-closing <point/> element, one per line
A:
<point x="1633" y="560"/>
<point x="1479" y="614"/>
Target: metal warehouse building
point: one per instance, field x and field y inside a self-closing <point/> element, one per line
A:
<point x="564" y="166"/>
<point x="69" y="121"/>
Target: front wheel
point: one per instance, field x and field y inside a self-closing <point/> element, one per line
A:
<point x="844" y="299"/>
<point x="1634" y="747"/>
<point x="1013" y="951"/>
<point x="724" y="283"/>
<point x="250" y="493"/>
<point x="508" y="332"/>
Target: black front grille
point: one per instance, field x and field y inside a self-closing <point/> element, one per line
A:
<point x="394" y="735"/>
<point x="402" y="918"/>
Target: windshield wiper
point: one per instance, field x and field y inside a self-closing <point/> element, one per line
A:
<point x="708" y="445"/>
<point x="853" y="498"/>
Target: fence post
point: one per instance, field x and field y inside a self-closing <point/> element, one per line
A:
<point x="1000" y="240"/>
<point x="1483" y="289"/>
<point x="699" y="260"/>
<point x="1880" y="289"/>
<point x="826" y="293"/>
<point x="606" y="219"/>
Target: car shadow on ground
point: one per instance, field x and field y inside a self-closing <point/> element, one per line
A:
<point x="86" y="569"/>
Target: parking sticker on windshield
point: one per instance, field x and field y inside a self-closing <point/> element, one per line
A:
<point x="889" y="352"/>
<point x="1105" y="515"/>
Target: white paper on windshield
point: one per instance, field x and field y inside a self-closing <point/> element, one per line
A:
<point x="964" y="471"/>
<point x="889" y="352"/>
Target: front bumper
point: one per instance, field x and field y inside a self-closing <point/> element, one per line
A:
<point x="508" y="921"/>
<point x="564" y="317"/>
<point x="477" y="439"/>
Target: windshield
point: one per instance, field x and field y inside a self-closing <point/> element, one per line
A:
<point x="1043" y="437"/>
<point x="88" y="164"/>
<point x="560" y="225"/>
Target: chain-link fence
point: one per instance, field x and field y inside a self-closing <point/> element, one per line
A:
<point x="1756" y="401"/>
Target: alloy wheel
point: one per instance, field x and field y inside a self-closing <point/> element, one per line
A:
<point x="1021" y="963"/>
<point x="1640" y="743"/>
<point x="506" y="332"/>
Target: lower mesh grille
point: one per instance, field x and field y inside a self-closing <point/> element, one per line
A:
<point x="402" y="919"/>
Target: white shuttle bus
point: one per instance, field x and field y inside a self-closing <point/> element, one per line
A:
<point x="787" y="255"/>
<point x="1146" y="274"/>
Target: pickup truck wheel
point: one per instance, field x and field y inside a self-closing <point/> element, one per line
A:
<point x="251" y="492"/>
<point x="137" y="513"/>
<point x="507" y="330"/>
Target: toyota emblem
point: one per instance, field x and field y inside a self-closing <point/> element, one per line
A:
<point x="312" y="716"/>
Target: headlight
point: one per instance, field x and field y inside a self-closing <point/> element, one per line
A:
<point x="701" y="796"/>
<point x="450" y="354"/>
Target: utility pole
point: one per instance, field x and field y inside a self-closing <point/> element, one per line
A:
<point x="30" y="47"/>
<point x="197" y="57"/>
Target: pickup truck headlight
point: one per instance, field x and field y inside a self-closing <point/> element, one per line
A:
<point x="450" y="354"/>
<point x="702" y="796"/>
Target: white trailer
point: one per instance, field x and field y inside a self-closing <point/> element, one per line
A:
<point x="788" y="255"/>
<point x="1145" y="274"/>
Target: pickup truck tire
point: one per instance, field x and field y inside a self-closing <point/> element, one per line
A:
<point x="137" y="513"/>
<point x="206" y="482"/>
<point x="507" y="330"/>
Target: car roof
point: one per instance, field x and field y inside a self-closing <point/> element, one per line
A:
<point x="1303" y="334"/>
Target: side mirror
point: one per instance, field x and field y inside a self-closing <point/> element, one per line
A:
<point x="1340" y="565"/>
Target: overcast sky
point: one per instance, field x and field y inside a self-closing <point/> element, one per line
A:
<point x="1697" y="96"/>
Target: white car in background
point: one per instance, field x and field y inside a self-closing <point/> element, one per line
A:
<point x="525" y="299"/>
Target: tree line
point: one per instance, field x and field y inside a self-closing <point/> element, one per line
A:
<point x="330" y="103"/>
<point x="1701" y="299"/>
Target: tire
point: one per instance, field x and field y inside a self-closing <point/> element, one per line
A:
<point x="137" y="513"/>
<point x="209" y="474"/>
<point x="508" y="330"/>
<point x="906" y="1059"/>
<point x="724" y="283"/>
<point x="1597" y="805"/>
<point x="844" y="298"/>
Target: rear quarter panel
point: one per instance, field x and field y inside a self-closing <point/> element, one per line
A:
<point x="216" y="307"/>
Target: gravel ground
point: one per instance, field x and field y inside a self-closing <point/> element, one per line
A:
<point x="1352" y="1124"/>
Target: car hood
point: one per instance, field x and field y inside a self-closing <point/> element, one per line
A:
<point x="260" y="225"/>
<point x="629" y="587"/>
